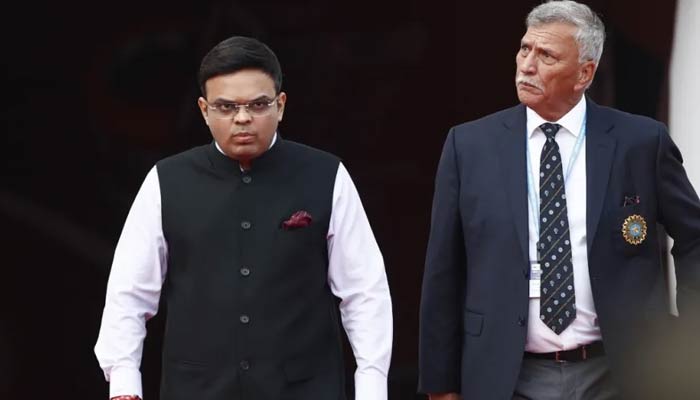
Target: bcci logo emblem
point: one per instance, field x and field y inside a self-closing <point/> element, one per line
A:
<point x="634" y="229"/>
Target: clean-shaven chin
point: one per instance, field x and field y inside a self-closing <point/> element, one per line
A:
<point x="528" y="96"/>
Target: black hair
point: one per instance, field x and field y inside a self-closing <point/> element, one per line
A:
<point x="237" y="53"/>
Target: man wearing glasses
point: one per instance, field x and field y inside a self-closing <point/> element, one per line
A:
<point x="249" y="239"/>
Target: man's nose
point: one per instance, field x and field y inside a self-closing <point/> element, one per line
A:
<point x="528" y="64"/>
<point x="242" y="115"/>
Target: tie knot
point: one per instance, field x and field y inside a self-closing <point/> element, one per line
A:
<point x="550" y="129"/>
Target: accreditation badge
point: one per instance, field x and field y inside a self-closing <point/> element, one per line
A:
<point x="634" y="229"/>
<point x="535" y="279"/>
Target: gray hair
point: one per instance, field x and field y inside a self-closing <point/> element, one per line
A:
<point x="590" y="34"/>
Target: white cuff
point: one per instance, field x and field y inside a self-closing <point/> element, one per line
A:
<point x="125" y="381"/>
<point x="370" y="386"/>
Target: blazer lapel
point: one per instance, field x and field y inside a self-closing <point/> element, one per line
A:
<point x="514" y="171"/>
<point x="600" y="149"/>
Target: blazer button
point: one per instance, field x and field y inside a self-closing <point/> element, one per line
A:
<point x="244" y="365"/>
<point x="247" y="179"/>
<point x="244" y="319"/>
<point x="245" y="225"/>
<point x="245" y="271"/>
<point x="521" y="321"/>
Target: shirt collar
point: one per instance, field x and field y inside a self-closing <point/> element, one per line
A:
<point x="571" y="121"/>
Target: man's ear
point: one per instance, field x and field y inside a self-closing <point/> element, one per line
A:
<point x="202" y="104"/>
<point x="281" y="101"/>
<point x="586" y="74"/>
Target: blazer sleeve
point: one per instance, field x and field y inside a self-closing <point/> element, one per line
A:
<point x="441" y="308"/>
<point x="679" y="212"/>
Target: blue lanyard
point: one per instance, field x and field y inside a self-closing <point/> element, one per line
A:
<point x="531" y="194"/>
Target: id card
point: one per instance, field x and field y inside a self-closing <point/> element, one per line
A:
<point x="535" y="275"/>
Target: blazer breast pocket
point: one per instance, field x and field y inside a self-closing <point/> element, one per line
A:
<point x="630" y="230"/>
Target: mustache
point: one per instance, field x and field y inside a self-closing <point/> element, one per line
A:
<point x="528" y="81"/>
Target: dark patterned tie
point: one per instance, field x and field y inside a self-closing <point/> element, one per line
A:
<point x="557" y="298"/>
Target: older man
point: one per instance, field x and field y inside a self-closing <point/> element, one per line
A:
<point x="543" y="277"/>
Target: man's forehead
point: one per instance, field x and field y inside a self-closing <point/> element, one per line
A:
<point x="245" y="84"/>
<point x="552" y="34"/>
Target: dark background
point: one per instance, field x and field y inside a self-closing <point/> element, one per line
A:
<point x="95" y="93"/>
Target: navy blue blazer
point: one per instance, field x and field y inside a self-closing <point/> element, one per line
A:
<point x="474" y="306"/>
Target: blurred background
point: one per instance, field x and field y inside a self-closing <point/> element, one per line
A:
<point x="96" y="92"/>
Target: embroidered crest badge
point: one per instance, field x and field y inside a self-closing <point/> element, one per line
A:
<point x="634" y="229"/>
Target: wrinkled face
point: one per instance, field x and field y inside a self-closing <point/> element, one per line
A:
<point x="549" y="77"/>
<point x="247" y="132"/>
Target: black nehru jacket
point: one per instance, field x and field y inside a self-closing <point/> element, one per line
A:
<point x="250" y="314"/>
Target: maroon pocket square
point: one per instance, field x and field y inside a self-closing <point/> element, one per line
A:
<point x="299" y="219"/>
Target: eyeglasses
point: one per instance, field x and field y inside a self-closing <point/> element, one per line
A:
<point x="257" y="107"/>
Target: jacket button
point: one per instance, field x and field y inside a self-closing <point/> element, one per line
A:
<point x="521" y="321"/>
<point x="245" y="225"/>
<point x="244" y="319"/>
<point x="245" y="271"/>
<point x="247" y="179"/>
<point x="244" y="365"/>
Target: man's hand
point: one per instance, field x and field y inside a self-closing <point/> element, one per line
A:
<point x="444" y="396"/>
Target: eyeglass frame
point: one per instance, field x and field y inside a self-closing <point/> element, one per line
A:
<point x="237" y="107"/>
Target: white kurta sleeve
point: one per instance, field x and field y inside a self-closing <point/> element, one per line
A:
<point x="133" y="291"/>
<point x="356" y="275"/>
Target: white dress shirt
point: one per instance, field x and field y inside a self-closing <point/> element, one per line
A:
<point x="355" y="275"/>
<point x="584" y="329"/>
